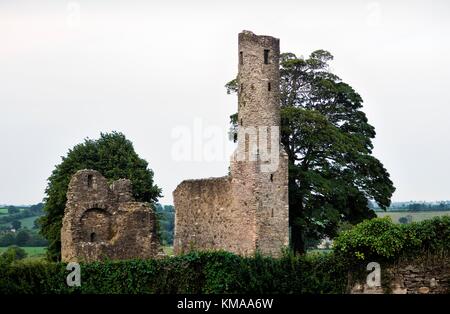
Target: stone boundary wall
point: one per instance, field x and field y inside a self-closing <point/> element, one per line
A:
<point x="431" y="276"/>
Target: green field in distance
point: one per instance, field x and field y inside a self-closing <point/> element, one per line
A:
<point x="415" y="216"/>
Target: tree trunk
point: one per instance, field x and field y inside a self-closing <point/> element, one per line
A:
<point x="295" y="210"/>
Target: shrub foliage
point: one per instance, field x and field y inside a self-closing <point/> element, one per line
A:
<point x="206" y="272"/>
<point x="382" y="240"/>
<point x="222" y="272"/>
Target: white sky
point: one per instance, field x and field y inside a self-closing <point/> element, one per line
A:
<point x="71" y="69"/>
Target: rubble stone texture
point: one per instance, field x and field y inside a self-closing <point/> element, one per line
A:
<point x="246" y="211"/>
<point x="430" y="277"/>
<point x="102" y="222"/>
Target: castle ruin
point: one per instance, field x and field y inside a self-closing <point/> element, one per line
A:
<point x="105" y="222"/>
<point x="246" y="211"/>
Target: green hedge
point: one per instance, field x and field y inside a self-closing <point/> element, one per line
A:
<point x="377" y="240"/>
<point x="206" y="272"/>
<point x="382" y="240"/>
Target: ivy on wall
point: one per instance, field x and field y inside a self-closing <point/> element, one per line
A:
<point x="221" y="272"/>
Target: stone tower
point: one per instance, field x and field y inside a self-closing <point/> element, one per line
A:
<point x="260" y="165"/>
<point x="258" y="78"/>
<point x="246" y="211"/>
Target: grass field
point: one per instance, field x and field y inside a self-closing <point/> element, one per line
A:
<point x="416" y="216"/>
<point x="37" y="251"/>
<point x="26" y="222"/>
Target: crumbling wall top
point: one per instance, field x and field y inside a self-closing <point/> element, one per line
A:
<point x="123" y="190"/>
<point x="86" y="186"/>
<point x="262" y="40"/>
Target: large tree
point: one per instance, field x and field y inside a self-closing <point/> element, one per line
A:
<point x="23" y="237"/>
<point x="16" y="224"/>
<point x="114" y="157"/>
<point x="332" y="172"/>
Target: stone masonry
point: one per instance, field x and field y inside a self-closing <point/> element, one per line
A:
<point x="246" y="211"/>
<point x="431" y="276"/>
<point x="105" y="222"/>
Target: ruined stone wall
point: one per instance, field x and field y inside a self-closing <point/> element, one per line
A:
<point x="102" y="222"/>
<point x="248" y="210"/>
<point x="422" y="278"/>
<point x="430" y="276"/>
<point x="208" y="219"/>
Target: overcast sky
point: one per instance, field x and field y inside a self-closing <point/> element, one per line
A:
<point x="72" y="69"/>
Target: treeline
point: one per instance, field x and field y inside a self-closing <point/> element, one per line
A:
<point x="166" y="222"/>
<point x="23" y="237"/>
<point x="415" y="206"/>
<point x="13" y="233"/>
<point x="17" y="213"/>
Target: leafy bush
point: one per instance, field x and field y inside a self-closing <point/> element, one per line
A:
<point x="13" y="253"/>
<point x="380" y="239"/>
<point x="206" y="272"/>
<point x="221" y="272"/>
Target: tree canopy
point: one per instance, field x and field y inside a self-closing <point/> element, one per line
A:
<point x="12" y="253"/>
<point x="114" y="157"/>
<point x="16" y="224"/>
<point x="332" y="172"/>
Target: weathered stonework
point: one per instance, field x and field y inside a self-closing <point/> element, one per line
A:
<point x="246" y="211"/>
<point x="414" y="277"/>
<point x="102" y="222"/>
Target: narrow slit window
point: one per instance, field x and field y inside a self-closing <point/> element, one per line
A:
<point x="241" y="122"/>
<point x="241" y="58"/>
<point x="272" y="212"/>
<point x="269" y="87"/>
<point x="271" y="178"/>
<point x="89" y="181"/>
<point x="93" y="237"/>
<point x="242" y="87"/>
<point x="266" y="56"/>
